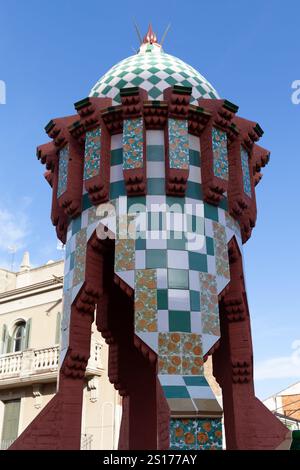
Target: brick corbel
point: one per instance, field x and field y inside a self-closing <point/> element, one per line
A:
<point x="89" y="111"/>
<point x="135" y="179"/>
<point x="261" y="158"/>
<point x="178" y="99"/>
<point x="58" y="130"/>
<point x="222" y="113"/>
<point x="241" y="206"/>
<point x="47" y="154"/>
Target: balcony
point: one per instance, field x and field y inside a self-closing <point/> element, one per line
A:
<point x="41" y="365"/>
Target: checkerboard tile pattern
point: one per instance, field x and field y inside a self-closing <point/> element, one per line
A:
<point x="154" y="71"/>
<point x="176" y="279"/>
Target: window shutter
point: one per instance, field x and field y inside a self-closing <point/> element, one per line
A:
<point x="27" y="333"/>
<point x="9" y="344"/>
<point x="58" y="327"/>
<point x="3" y="339"/>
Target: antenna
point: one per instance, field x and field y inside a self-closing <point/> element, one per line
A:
<point x="137" y="31"/>
<point x="12" y="250"/>
<point x="165" y="34"/>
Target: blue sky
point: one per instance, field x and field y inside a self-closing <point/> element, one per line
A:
<point x="52" y="54"/>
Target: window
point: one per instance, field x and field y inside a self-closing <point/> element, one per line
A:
<point x="19" y="337"/>
<point x="10" y="423"/>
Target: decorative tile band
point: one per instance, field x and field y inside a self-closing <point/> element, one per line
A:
<point x="209" y="304"/>
<point x="246" y="172"/>
<point x="221" y="250"/>
<point x="92" y="153"/>
<point x="197" y="434"/>
<point x="178" y="144"/>
<point x="133" y="143"/>
<point x="80" y="256"/>
<point x="63" y="170"/>
<point x="220" y="155"/>
<point x="180" y="353"/>
<point x="145" y="301"/>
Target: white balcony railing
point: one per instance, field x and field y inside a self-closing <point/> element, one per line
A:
<point x="38" y="361"/>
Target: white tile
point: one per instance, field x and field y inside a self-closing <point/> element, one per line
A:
<point x="195" y="174"/>
<point x="209" y="228"/>
<point x="155" y="169"/>
<point x="155" y="137"/>
<point x="211" y="264"/>
<point x="178" y="299"/>
<point x="175" y="221"/>
<point x="151" y="339"/>
<point x="116" y="142"/>
<point x="163" y="321"/>
<point x="194" y="143"/>
<point x="200" y="392"/>
<point x="156" y="203"/>
<point x="221" y="216"/>
<point x="162" y="278"/>
<point x="171" y="379"/>
<point x="127" y="276"/>
<point x="221" y="283"/>
<point x="116" y="173"/>
<point x="84" y="219"/>
<point x="196" y="324"/>
<point x="194" y="207"/>
<point x="140" y="259"/>
<point x="178" y="259"/>
<point x="208" y="341"/>
<point x="195" y="242"/>
<point x="194" y="281"/>
<point x="153" y="243"/>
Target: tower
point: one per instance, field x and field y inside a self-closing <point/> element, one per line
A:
<point x="153" y="192"/>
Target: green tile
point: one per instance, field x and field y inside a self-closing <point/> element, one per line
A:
<point x="179" y="321"/>
<point x="175" y="391"/>
<point x="153" y="79"/>
<point x="137" y="81"/>
<point x="121" y="84"/>
<point x="116" y="157"/>
<point x="162" y="299"/>
<point x="210" y="248"/>
<point x="106" y="89"/>
<point x="76" y="225"/>
<point x="195" y="224"/>
<point x="153" y="70"/>
<point x="198" y="262"/>
<point x="133" y="203"/>
<point x="196" y="380"/>
<point x="195" y="300"/>
<point x="86" y="203"/>
<point x="178" y="278"/>
<point x="155" y="153"/>
<point x="156" y="186"/>
<point x="156" y="258"/>
<point x="72" y="259"/>
<point x="174" y="243"/>
<point x="224" y="204"/>
<point x="177" y="203"/>
<point x="117" y="189"/>
<point x="194" y="190"/>
<point x="194" y="158"/>
<point x="140" y="244"/>
<point x="154" y="92"/>
<point x="211" y="212"/>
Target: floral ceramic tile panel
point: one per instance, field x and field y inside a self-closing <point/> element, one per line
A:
<point x="178" y="144"/>
<point x="63" y="170"/>
<point x="145" y="301"/>
<point x="209" y="304"/>
<point x="233" y="224"/>
<point x="80" y="256"/>
<point x="220" y="154"/>
<point x="197" y="434"/>
<point x="124" y="255"/>
<point x="180" y="353"/>
<point x="246" y="172"/>
<point x="133" y="143"/>
<point x="92" y="153"/>
<point x="221" y="250"/>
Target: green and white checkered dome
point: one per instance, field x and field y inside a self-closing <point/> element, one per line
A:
<point x="154" y="71"/>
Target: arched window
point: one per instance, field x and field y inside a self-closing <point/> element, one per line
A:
<point x="19" y="337"/>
